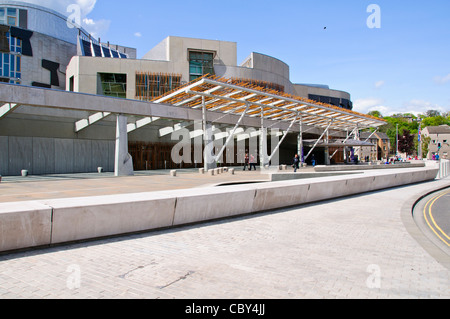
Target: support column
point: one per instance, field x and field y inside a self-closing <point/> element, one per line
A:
<point x="208" y="156"/>
<point x="300" y="142"/>
<point x="264" y="159"/>
<point x="123" y="164"/>
<point x="327" y="149"/>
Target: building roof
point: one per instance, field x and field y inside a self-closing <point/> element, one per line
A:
<point x="443" y="129"/>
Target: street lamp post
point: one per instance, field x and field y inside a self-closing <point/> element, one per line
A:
<point x="396" y="140"/>
<point x="419" y="151"/>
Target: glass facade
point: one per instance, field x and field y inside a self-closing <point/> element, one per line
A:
<point x="200" y="63"/>
<point x="10" y="63"/>
<point x="114" y="85"/>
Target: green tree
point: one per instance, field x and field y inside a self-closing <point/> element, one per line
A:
<point x="425" y="146"/>
<point x="406" y="142"/>
<point x="410" y="122"/>
<point x="432" y="113"/>
<point x="435" y="121"/>
<point x="375" y="114"/>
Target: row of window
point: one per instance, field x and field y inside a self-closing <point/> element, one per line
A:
<point x="344" y="103"/>
<point x="92" y="49"/>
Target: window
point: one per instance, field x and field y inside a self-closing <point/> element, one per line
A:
<point x="9" y="16"/>
<point x="200" y="63"/>
<point x="11" y="63"/>
<point x="114" y="85"/>
<point x="71" y="84"/>
<point x="97" y="50"/>
<point x="2" y="16"/>
<point x="10" y="66"/>
<point x="151" y="85"/>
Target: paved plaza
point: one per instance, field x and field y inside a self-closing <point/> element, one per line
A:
<point x="363" y="246"/>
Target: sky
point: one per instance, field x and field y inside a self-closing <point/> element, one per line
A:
<point x="394" y="57"/>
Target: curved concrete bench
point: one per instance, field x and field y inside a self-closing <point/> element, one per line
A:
<point x="38" y="223"/>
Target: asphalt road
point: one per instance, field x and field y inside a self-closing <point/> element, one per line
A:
<point x="433" y="212"/>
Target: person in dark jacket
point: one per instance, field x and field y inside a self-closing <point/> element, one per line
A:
<point x="246" y="161"/>
<point x="296" y="162"/>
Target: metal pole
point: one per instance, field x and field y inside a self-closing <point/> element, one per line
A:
<point x="263" y="142"/>
<point x="320" y="138"/>
<point x="345" y="141"/>
<point x="419" y="152"/>
<point x="396" y="140"/>
<point x="232" y="133"/>
<point x="300" y="141"/>
<point x="282" y="139"/>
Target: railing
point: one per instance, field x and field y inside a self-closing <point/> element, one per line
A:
<point x="444" y="168"/>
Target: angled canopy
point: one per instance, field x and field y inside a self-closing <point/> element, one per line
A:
<point x="219" y="95"/>
<point x="338" y="143"/>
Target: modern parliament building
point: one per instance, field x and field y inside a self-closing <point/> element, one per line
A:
<point x="39" y="48"/>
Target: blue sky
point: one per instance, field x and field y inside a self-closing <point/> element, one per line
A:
<point x="403" y="66"/>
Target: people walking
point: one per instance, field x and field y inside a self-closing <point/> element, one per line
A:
<point x="246" y="161"/>
<point x="296" y="163"/>
<point x="252" y="162"/>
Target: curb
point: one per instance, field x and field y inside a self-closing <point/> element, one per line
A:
<point x="407" y="216"/>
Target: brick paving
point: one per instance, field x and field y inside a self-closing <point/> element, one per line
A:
<point x="354" y="247"/>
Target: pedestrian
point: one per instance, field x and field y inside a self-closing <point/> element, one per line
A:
<point x="246" y="161"/>
<point x="296" y="163"/>
<point x="313" y="160"/>
<point x="252" y="162"/>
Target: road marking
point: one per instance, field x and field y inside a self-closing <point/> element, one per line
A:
<point x="432" y="201"/>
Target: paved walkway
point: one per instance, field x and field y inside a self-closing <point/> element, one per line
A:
<point x="14" y="189"/>
<point x="362" y="246"/>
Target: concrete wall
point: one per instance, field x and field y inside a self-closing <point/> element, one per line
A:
<point x="51" y="49"/>
<point x="32" y="224"/>
<point x="40" y="155"/>
<point x="85" y="71"/>
<point x="171" y="56"/>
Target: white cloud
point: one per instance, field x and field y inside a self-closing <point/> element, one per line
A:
<point x="87" y="21"/>
<point x="379" y="84"/>
<point x="420" y="106"/>
<point x="442" y="79"/>
<point x="138" y="34"/>
<point x="367" y="105"/>
<point x="96" y="28"/>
